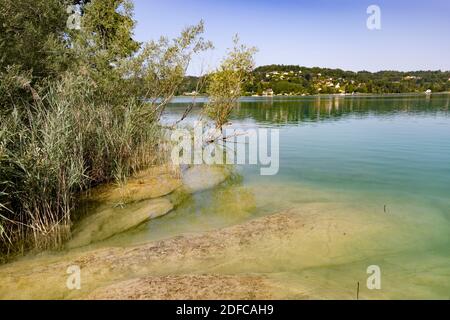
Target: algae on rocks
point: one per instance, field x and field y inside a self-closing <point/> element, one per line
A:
<point x="118" y="208"/>
<point x="199" y="178"/>
<point x="151" y="193"/>
<point x="110" y="221"/>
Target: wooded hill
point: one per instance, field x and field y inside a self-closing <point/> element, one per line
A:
<point x="291" y="79"/>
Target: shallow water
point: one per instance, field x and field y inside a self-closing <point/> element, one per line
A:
<point x="373" y="171"/>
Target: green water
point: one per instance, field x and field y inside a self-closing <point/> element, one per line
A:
<point x="368" y="154"/>
<point x="373" y="171"/>
<point x="392" y="150"/>
<point x="361" y="157"/>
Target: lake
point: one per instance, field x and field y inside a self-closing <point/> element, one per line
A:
<point x="369" y="175"/>
<point x="382" y="155"/>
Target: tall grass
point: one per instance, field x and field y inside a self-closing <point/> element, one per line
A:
<point x="58" y="146"/>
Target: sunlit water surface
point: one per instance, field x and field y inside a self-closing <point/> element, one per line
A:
<point x="370" y="155"/>
<point x="372" y="158"/>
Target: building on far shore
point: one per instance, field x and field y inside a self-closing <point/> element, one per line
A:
<point x="193" y="93"/>
<point x="268" y="92"/>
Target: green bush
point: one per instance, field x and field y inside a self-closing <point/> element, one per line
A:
<point x="52" y="150"/>
<point x="77" y="108"/>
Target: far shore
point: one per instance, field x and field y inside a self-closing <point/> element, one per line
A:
<point x="325" y="95"/>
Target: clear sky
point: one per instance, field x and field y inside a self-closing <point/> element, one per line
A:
<point x="414" y="34"/>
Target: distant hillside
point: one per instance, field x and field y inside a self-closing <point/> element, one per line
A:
<point x="291" y="79"/>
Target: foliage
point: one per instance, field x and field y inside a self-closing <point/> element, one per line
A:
<point x="225" y="85"/>
<point x="285" y="79"/>
<point x="30" y="35"/>
<point x="160" y="66"/>
<point x="33" y="48"/>
<point x="54" y="150"/>
<point x="77" y="108"/>
<point x="303" y="80"/>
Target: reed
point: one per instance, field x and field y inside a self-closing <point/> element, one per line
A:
<point x="52" y="150"/>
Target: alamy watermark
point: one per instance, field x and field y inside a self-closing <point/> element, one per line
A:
<point x="374" y="20"/>
<point x="74" y="19"/>
<point x="374" y="280"/>
<point x="73" y="281"/>
<point x="228" y="146"/>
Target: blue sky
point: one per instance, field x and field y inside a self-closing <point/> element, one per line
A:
<point x="414" y="35"/>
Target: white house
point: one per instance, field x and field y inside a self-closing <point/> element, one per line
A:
<point x="268" y="92"/>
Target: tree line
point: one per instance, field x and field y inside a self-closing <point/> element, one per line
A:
<point x="294" y="79"/>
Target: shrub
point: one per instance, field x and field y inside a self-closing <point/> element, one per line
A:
<point x="52" y="150"/>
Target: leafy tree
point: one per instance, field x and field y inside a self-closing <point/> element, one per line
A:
<point x="30" y="32"/>
<point x="32" y="44"/>
<point x="225" y="85"/>
<point x="107" y="27"/>
<point x="89" y="120"/>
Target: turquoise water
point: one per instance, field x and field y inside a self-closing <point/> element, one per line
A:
<point x="374" y="167"/>
<point x="367" y="176"/>
<point x="380" y="147"/>
<point x="371" y="155"/>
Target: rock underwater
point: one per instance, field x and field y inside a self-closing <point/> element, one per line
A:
<point x="116" y="208"/>
<point x="295" y="239"/>
<point x="199" y="178"/>
<point x="113" y="220"/>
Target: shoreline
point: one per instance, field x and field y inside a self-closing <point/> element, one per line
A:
<point x="259" y="257"/>
<point x="199" y="263"/>
<point x="365" y="95"/>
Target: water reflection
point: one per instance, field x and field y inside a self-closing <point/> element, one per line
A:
<point x="293" y="110"/>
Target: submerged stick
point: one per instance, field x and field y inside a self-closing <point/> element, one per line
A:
<point x="357" y="291"/>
